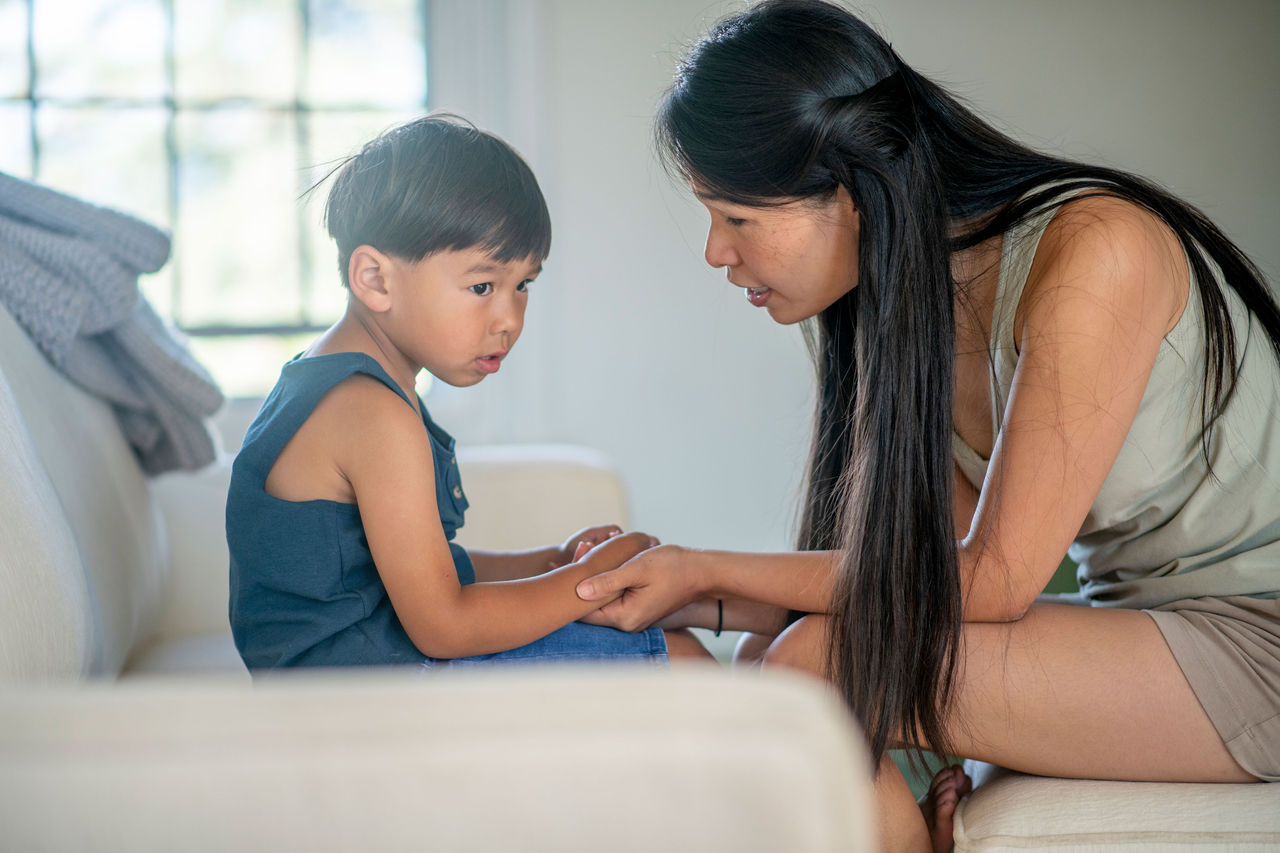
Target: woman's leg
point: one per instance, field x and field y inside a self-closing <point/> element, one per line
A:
<point x="751" y="649"/>
<point x="1067" y="691"/>
<point x="683" y="645"/>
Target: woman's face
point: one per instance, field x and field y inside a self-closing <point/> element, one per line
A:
<point x="794" y="259"/>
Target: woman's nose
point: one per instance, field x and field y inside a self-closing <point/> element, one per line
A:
<point x="720" y="252"/>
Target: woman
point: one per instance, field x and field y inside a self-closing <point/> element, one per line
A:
<point x="1014" y="353"/>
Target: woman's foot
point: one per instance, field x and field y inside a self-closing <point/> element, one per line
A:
<point x="939" y="805"/>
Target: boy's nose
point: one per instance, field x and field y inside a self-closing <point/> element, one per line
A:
<point x="509" y="319"/>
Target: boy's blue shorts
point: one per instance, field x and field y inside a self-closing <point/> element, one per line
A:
<point x="574" y="643"/>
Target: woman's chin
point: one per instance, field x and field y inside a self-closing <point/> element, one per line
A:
<point x="787" y="315"/>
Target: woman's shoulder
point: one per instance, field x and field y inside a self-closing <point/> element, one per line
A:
<point x="1114" y="253"/>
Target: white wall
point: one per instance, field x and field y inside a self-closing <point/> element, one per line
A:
<point x="634" y="346"/>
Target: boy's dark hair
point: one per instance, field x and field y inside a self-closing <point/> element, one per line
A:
<point x="435" y="184"/>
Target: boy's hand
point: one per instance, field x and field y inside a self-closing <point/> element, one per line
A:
<point x="582" y="542"/>
<point x="577" y="545"/>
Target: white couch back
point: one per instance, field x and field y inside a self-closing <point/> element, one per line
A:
<point x="83" y="556"/>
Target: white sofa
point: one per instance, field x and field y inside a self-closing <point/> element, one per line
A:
<point x="128" y="723"/>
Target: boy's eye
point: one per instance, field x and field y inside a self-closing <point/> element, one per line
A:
<point x="523" y="286"/>
<point x="481" y="289"/>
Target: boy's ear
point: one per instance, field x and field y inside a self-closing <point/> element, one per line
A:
<point x="367" y="273"/>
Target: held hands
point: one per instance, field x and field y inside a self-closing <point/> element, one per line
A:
<point x="581" y="542"/>
<point x="643" y="590"/>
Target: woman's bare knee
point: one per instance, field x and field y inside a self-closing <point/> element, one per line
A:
<point x="751" y="649"/>
<point x="803" y="646"/>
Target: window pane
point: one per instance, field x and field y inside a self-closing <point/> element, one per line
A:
<point x="236" y="49"/>
<point x="110" y="157"/>
<point x="14" y="79"/>
<point x="100" y="48"/>
<point x="236" y="242"/>
<point x="332" y="137"/>
<point x="342" y="70"/>
<point x="15" y="139"/>
<point x="247" y="365"/>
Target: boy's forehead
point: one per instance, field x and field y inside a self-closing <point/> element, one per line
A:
<point x="480" y="261"/>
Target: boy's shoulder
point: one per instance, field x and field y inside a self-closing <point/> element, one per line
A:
<point x="366" y="406"/>
<point x="357" y="424"/>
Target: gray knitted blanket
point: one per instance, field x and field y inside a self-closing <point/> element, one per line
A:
<point x="69" y="275"/>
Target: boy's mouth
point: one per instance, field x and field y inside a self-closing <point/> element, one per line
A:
<point x="491" y="363"/>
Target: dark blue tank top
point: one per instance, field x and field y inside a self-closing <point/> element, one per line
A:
<point x="304" y="589"/>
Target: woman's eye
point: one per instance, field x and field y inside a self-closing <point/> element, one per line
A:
<point x="481" y="289"/>
<point x="734" y="221"/>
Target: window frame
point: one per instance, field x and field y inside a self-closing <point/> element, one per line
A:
<point x="299" y="110"/>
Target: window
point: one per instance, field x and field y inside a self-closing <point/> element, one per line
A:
<point x="210" y="119"/>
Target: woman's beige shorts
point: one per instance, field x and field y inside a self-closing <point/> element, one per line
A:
<point x="1229" y="650"/>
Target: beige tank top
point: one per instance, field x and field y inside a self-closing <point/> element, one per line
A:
<point x="1162" y="528"/>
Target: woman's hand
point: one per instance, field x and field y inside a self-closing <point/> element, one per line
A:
<point x="646" y="588"/>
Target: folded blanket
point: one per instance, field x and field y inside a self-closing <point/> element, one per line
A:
<point x="69" y="275"/>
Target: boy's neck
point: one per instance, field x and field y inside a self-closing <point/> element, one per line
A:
<point x="357" y="332"/>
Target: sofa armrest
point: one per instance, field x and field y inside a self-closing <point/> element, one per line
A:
<point x="193" y="505"/>
<point x="587" y="759"/>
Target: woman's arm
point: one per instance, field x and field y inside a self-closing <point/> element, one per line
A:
<point x="727" y="614"/>
<point x="662" y="580"/>
<point x="1109" y="281"/>
<point x="964" y="502"/>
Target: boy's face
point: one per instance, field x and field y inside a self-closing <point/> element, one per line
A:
<point x="458" y="313"/>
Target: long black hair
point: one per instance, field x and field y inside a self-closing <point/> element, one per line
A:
<point x="793" y="99"/>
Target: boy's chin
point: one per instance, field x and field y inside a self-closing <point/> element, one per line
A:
<point x="463" y="381"/>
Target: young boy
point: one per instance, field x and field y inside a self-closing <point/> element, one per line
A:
<point x="346" y="496"/>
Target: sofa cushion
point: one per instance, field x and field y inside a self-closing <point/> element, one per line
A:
<point x="520" y="494"/>
<point x="1011" y="811"/>
<point x="202" y="654"/>
<point x="45" y="624"/>
<point x="102" y="495"/>
<point x="193" y="505"/>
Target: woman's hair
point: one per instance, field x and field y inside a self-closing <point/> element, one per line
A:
<point x="437" y="183"/>
<point x="792" y="99"/>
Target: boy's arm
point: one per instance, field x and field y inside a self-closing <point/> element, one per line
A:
<point x="391" y="473"/>
<point x="511" y="565"/>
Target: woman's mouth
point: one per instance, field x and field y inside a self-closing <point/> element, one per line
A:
<point x="758" y="296"/>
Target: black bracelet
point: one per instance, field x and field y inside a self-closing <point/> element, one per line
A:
<point x="719" y="616"/>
